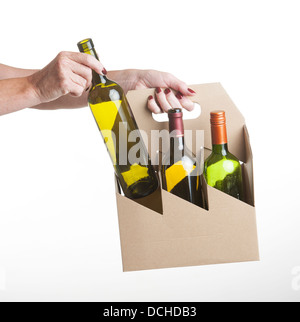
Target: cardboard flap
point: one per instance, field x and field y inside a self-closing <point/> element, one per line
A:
<point x="210" y="97"/>
<point x="248" y="170"/>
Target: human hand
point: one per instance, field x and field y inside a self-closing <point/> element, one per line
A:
<point x="164" y="83"/>
<point x="69" y="73"/>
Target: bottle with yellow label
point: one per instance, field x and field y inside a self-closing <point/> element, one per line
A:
<point x="180" y="170"/>
<point x="118" y="127"/>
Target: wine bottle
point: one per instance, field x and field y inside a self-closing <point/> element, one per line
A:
<point x="116" y="122"/>
<point x="180" y="173"/>
<point x="222" y="169"/>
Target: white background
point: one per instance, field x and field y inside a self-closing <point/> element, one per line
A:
<point x="59" y="237"/>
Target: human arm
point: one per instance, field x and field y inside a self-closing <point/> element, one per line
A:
<point x="60" y="84"/>
<point x="170" y="91"/>
<point x="7" y="72"/>
<point x="63" y="84"/>
<point x="16" y="94"/>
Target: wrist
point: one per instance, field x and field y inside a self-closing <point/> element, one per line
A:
<point x="126" y="78"/>
<point x="16" y="94"/>
<point x="31" y="90"/>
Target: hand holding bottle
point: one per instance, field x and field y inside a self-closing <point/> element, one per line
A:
<point x="69" y="73"/>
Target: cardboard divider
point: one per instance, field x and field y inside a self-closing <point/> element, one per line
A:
<point x="153" y="201"/>
<point x="167" y="231"/>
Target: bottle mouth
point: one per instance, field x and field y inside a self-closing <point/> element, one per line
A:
<point x="175" y="112"/>
<point x="217" y="118"/>
<point x="85" y="45"/>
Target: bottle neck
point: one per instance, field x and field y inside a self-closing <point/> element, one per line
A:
<point x="177" y="149"/>
<point x="176" y="128"/>
<point x="219" y="134"/>
<point x="220" y="149"/>
<point x="177" y="144"/>
<point x="97" y="78"/>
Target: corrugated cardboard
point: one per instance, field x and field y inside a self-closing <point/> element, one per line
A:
<point x="162" y="230"/>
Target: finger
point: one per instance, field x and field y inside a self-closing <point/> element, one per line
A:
<point x="162" y="100"/>
<point x="185" y="102"/>
<point x="171" y="98"/>
<point x="79" y="80"/>
<point x="152" y="105"/>
<point x="178" y="85"/>
<point x="77" y="86"/>
<point x="89" y="61"/>
<point x="83" y="71"/>
<point x="76" y="90"/>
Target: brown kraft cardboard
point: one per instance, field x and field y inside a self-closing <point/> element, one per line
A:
<point x="163" y="230"/>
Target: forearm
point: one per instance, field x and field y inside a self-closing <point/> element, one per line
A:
<point x="16" y="94"/>
<point x="126" y="78"/>
<point x="7" y="72"/>
<point x="66" y="101"/>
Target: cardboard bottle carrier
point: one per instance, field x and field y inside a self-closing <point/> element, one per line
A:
<point x="163" y="230"/>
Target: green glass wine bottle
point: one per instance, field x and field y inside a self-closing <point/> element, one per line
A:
<point x="116" y="122"/>
<point x="222" y="170"/>
<point x="180" y="170"/>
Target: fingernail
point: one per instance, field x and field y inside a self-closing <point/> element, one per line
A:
<point x="167" y="91"/>
<point x="157" y="90"/>
<point x="179" y="96"/>
<point x="150" y="98"/>
<point x="191" y="91"/>
<point x="104" y="71"/>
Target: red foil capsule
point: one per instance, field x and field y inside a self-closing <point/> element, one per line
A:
<point x="176" y="122"/>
